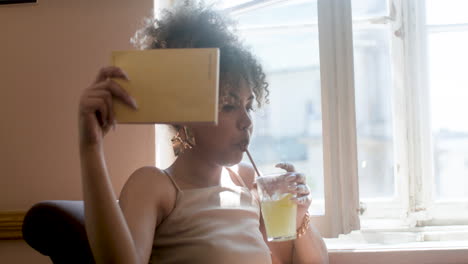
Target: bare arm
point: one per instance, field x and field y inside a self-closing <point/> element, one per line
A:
<point x="107" y="230"/>
<point x="124" y="232"/>
<point x="109" y="235"/>
<point x="310" y="248"/>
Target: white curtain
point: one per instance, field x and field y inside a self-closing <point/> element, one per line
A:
<point x="338" y="110"/>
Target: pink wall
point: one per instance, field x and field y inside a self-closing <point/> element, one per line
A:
<point x="49" y="53"/>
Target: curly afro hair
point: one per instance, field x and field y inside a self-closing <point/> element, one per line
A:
<point x="198" y="26"/>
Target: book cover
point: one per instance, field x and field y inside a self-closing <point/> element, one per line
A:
<point x="169" y="85"/>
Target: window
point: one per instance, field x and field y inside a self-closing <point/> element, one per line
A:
<point x="447" y="39"/>
<point x="380" y="102"/>
<point x="419" y="145"/>
<point x="379" y="188"/>
<point x="290" y="127"/>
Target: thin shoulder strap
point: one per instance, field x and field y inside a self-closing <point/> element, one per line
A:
<point x="238" y="177"/>
<point x="172" y="180"/>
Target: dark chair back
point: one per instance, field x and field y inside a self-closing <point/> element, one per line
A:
<point x="56" y="228"/>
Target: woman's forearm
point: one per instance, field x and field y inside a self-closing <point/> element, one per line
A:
<point x="310" y="248"/>
<point x="108" y="233"/>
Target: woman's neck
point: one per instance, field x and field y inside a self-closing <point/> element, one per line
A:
<point x="194" y="170"/>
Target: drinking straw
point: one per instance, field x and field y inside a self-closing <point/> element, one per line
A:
<point x="253" y="163"/>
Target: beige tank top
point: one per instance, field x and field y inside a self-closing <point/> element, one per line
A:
<point x="218" y="224"/>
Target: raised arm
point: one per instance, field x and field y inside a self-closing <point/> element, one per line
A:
<point x="108" y="232"/>
<point x="109" y="235"/>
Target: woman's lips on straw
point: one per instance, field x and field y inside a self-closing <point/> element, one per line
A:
<point x="243" y="145"/>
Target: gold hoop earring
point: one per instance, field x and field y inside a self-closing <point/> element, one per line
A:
<point x="179" y="145"/>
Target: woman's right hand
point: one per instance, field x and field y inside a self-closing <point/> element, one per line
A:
<point x="96" y="115"/>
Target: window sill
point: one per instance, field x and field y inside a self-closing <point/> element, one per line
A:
<point x="400" y="255"/>
<point x="371" y="246"/>
<point x="418" y="237"/>
<point x="413" y="246"/>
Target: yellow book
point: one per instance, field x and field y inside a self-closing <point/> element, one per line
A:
<point x="169" y="85"/>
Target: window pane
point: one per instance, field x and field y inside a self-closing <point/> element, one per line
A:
<point x="282" y="13"/>
<point x="373" y="84"/>
<point x="290" y="127"/>
<point x="446" y="12"/>
<point x="227" y="4"/>
<point x="449" y="105"/>
<point x="369" y="8"/>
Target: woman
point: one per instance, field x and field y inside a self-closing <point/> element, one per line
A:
<point x="181" y="214"/>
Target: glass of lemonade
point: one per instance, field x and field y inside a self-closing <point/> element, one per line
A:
<point x="279" y="212"/>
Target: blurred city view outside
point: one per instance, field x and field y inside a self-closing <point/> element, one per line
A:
<point x="447" y="35"/>
<point x="284" y="36"/>
<point x="373" y="98"/>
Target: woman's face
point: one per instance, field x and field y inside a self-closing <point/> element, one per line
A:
<point x="226" y="142"/>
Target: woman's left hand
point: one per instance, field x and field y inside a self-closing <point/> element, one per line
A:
<point x="299" y="187"/>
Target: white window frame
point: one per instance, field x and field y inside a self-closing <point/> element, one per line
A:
<point x="412" y="134"/>
<point x="378" y="211"/>
<point x="413" y="204"/>
<point x="408" y="201"/>
<point x="441" y="212"/>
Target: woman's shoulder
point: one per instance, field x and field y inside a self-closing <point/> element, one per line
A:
<point x="150" y="175"/>
<point x="153" y="182"/>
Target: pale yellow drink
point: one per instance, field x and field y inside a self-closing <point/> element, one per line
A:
<point x="280" y="218"/>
